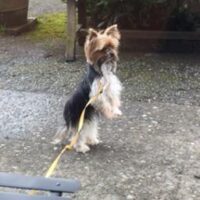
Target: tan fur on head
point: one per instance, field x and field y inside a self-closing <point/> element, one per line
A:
<point x="113" y="31"/>
<point x="97" y="43"/>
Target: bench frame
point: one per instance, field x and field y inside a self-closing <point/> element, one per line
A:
<point x="55" y="186"/>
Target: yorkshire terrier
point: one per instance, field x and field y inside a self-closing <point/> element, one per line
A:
<point x="101" y="51"/>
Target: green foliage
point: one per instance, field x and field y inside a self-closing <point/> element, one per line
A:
<point x="140" y="14"/>
<point x="2" y="29"/>
<point x="182" y="20"/>
<point x="130" y="12"/>
<point x="49" y="26"/>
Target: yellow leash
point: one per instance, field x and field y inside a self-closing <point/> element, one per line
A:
<point x="75" y="138"/>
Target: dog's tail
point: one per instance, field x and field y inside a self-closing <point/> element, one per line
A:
<point x="60" y="136"/>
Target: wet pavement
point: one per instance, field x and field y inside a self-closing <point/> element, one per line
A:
<point x="151" y="152"/>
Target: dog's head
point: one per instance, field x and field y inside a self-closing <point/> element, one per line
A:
<point x="101" y="47"/>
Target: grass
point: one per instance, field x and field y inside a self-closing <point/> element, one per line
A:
<point x="2" y="29"/>
<point x="50" y="26"/>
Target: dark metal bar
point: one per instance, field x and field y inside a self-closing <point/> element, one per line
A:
<point x="57" y="194"/>
<point x="16" y="196"/>
<point x="38" y="183"/>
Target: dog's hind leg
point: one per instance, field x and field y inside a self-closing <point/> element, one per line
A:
<point x="60" y="135"/>
<point x="92" y="134"/>
<point x="88" y="136"/>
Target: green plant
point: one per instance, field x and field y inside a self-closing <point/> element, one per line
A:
<point x="143" y="14"/>
<point x="2" y="29"/>
<point x="183" y="18"/>
<point x="127" y="13"/>
<point x="49" y="26"/>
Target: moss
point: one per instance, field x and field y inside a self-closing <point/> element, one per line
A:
<point x="2" y="29"/>
<point x="49" y="26"/>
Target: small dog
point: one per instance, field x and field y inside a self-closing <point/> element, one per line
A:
<point x="101" y="51"/>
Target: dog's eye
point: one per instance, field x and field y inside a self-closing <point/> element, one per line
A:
<point x="102" y="50"/>
<point x="105" y="49"/>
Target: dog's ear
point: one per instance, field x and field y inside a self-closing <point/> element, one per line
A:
<point x="92" y="34"/>
<point x="113" y="31"/>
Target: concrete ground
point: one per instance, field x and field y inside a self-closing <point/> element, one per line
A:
<point x="151" y="153"/>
